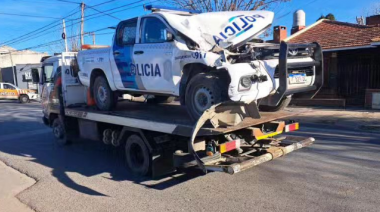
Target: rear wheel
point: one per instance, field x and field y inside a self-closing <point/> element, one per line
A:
<point x="203" y="91"/>
<point x="137" y="155"/>
<point x="282" y="105"/>
<point x="105" y="98"/>
<point x="24" y="99"/>
<point x="59" y="132"/>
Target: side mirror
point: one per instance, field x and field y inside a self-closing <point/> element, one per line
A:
<point x="169" y="36"/>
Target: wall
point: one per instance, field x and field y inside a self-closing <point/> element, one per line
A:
<point x="23" y="57"/>
<point x="23" y="73"/>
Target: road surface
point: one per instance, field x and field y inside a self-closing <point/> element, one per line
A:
<point x="340" y="172"/>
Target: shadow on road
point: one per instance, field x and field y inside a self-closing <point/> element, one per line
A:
<point x="87" y="158"/>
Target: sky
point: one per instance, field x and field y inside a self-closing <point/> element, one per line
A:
<point x="12" y="27"/>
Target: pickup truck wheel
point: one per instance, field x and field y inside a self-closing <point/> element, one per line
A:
<point x="59" y="132"/>
<point x="104" y="97"/>
<point x="137" y="155"/>
<point x="203" y="91"/>
<point x="161" y="99"/>
<point x="24" y="99"/>
<point x="282" y="105"/>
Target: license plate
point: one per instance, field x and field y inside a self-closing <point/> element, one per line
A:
<point x="297" y="78"/>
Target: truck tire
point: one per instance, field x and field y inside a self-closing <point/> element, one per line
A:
<point x="59" y="132"/>
<point x="24" y="99"/>
<point x="105" y="98"/>
<point x="137" y="155"/>
<point x="161" y="99"/>
<point x="203" y="91"/>
<point x="282" y="105"/>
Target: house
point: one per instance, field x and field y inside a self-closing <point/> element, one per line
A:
<point x="351" y="60"/>
<point x="15" y="66"/>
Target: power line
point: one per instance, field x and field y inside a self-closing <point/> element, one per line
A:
<point x="38" y="30"/>
<point x="104" y="13"/>
<point x="30" y="36"/>
<point x="34" y="16"/>
<point x="72" y="2"/>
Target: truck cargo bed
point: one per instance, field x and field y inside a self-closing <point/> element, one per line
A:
<point x="166" y="118"/>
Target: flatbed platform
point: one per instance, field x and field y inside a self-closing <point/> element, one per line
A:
<point x="166" y="118"/>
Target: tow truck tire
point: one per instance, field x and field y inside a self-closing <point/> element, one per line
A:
<point x="24" y="99"/>
<point x="203" y="91"/>
<point x="282" y="105"/>
<point x="105" y="98"/>
<point x="161" y="99"/>
<point x="59" y="132"/>
<point x="137" y="155"/>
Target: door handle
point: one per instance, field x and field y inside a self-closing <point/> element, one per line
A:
<point x="139" y="52"/>
<point x="116" y="53"/>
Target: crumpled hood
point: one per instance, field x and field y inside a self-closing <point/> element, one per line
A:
<point x="227" y="29"/>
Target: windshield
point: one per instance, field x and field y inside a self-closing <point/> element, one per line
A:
<point x="48" y="71"/>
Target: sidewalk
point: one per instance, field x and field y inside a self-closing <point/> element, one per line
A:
<point x="12" y="182"/>
<point x="357" y="119"/>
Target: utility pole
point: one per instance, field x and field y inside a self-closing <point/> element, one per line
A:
<point x="64" y="34"/>
<point x="82" y="25"/>
<point x="93" y="38"/>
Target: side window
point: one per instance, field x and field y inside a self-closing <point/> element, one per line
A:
<point x="126" y="33"/>
<point x="48" y="71"/>
<point x="153" y="31"/>
<point x="9" y="87"/>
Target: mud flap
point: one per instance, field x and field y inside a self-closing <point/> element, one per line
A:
<point x="222" y="115"/>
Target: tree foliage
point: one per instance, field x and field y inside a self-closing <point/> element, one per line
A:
<point x="329" y="16"/>
<point x="224" y="5"/>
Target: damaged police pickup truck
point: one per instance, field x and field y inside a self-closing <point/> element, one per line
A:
<point x="202" y="58"/>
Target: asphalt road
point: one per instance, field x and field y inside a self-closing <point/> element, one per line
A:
<point x="340" y="172"/>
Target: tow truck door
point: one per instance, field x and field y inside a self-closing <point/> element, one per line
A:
<point x="73" y="91"/>
<point x="153" y="56"/>
<point x="8" y="91"/>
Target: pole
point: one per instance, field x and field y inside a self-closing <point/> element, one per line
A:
<point x="82" y="25"/>
<point x="64" y="32"/>
<point x="93" y="38"/>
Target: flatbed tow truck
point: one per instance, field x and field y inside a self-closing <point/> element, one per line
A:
<point x="159" y="139"/>
<point x="173" y="141"/>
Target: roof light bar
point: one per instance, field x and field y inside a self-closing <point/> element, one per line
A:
<point x="155" y="8"/>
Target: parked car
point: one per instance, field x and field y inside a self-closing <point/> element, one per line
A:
<point x="12" y="92"/>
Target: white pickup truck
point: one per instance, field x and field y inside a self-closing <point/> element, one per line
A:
<point x="203" y="59"/>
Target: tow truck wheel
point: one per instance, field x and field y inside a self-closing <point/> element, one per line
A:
<point x="24" y="99"/>
<point x="282" y="105"/>
<point x="59" y="132"/>
<point x="104" y="97"/>
<point x="203" y="91"/>
<point x="137" y="155"/>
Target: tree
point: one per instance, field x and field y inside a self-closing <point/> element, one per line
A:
<point x="329" y="16"/>
<point x="224" y="5"/>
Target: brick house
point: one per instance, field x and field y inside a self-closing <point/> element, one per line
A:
<point x="351" y="61"/>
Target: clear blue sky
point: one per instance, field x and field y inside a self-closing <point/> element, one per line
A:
<point x="13" y="26"/>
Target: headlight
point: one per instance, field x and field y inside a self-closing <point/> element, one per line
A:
<point x="245" y="83"/>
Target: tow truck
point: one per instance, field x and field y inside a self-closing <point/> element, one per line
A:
<point x="160" y="139"/>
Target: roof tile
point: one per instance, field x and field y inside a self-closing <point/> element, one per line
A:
<point x="335" y="34"/>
